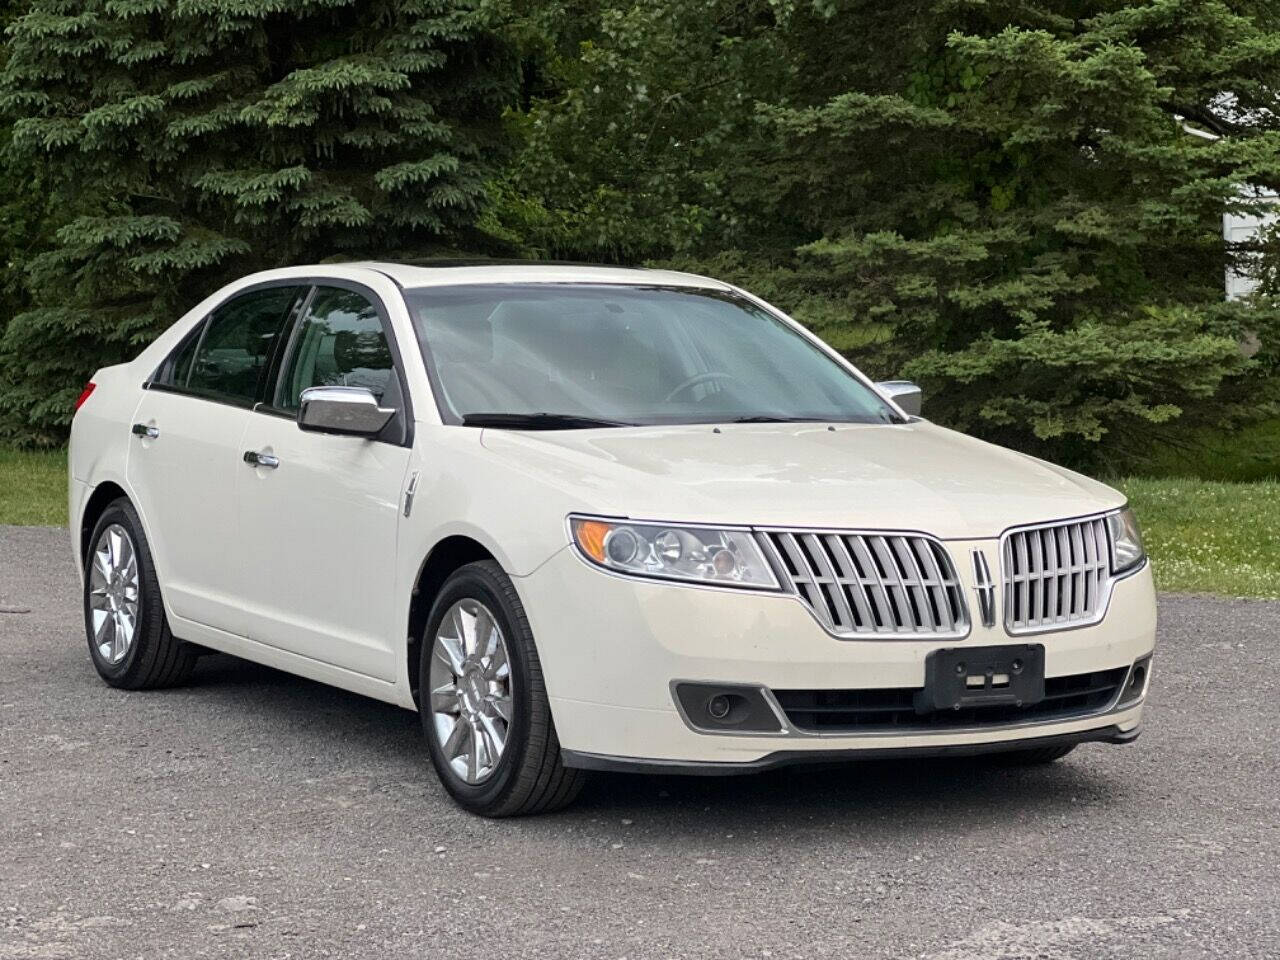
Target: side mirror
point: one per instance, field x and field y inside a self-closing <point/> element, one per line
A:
<point x="349" y="411"/>
<point x="904" y="393"/>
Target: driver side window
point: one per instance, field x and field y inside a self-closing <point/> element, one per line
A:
<point x="339" y="343"/>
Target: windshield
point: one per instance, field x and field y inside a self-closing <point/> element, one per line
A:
<point x="575" y="355"/>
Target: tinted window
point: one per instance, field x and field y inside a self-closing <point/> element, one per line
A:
<point x="178" y="367"/>
<point x="340" y="343"/>
<point x="642" y="355"/>
<point x="237" y="344"/>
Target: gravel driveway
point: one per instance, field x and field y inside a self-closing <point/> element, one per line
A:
<point x="255" y="814"/>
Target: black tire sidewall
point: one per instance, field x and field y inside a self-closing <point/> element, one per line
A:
<point x="150" y="611"/>
<point x="477" y="582"/>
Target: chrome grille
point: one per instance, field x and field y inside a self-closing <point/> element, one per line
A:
<point x="872" y="584"/>
<point x="1055" y="575"/>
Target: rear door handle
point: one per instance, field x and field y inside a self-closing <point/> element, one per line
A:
<point x="255" y="459"/>
<point x="144" y="430"/>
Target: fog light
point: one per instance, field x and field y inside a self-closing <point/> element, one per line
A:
<point x="726" y="708"/>
<point x="1137" y="685"/>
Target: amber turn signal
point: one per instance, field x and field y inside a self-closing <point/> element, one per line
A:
<point x="590" y="536"/>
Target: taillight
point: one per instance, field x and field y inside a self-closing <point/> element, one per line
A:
<point x="84" y="395"/>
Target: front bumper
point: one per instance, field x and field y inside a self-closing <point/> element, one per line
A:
<point x="611" y="646"/>
<point x="791" y="758"/>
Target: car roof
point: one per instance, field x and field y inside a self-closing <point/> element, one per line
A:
<point x="451" y="272"/>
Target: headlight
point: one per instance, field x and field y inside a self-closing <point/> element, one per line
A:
<point x="1126" y="541"/>
<point x="696" y="554"/>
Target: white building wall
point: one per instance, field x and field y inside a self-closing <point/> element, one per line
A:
<point x="1237" y="228"/>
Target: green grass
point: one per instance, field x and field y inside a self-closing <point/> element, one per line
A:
<point x="33" y="487"/>
<point x="1210" y="537"/>
<point x="1203" y="536"/>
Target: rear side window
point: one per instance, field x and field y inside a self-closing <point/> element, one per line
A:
<point x="178" y="369"/>
<point x="229" y="361"/>
<point x="340" y="343"/>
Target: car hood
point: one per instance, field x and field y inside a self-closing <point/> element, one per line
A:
<point x="914" y="476"/>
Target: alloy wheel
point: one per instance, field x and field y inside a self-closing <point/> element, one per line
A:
<point x="114" y="588"/>
<point x="470" y="695"/>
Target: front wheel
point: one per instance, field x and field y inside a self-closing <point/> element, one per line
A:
<point x="129" y="637"/>
<point x="484" y="705"/>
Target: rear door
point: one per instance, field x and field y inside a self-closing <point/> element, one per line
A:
<point x="317" y="576"/>
<point x="185" y="447"/>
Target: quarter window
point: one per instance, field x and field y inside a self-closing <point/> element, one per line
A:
<point x="237" y="343"/>
<point x="340" y="343"/>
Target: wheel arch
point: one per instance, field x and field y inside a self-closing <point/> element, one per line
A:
<point x="446" y="556"/>
<point x="104" y="494"/>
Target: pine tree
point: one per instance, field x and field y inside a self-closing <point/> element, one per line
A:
<point x="1014" y="203"/>
<point x="182" y="143"/>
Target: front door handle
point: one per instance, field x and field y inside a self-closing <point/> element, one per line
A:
<point x="255" y="459"/>
<point x="145" y="430"/>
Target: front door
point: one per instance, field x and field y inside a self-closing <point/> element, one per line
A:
<point x="319" y="523"/>
<point x="183" y="454"/>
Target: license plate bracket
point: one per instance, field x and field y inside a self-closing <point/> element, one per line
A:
<point x="958" y="677"/>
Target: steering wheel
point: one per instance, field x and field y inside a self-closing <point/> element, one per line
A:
<point x="696" y="379"/>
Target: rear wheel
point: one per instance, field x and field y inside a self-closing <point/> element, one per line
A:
<point x="484" y="705"/>
<point x="129" y="637"/>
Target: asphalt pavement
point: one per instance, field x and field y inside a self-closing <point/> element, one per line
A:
<point x="254" y="814"/>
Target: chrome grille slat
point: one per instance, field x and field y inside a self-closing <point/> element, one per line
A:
<point x="809" y="586"/>
<point x="1056" y="575"/>
<point x="871" y="584"/>
<point x="934" y="573"/>
<point x="837" y="602"/>
<point x="895" y="585"/>
<point x="849" y="571"/>
<point x="919" y="602"/>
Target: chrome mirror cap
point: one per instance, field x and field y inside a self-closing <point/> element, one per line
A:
<point x="904" y="393"/>
<point x="349" y="411"/>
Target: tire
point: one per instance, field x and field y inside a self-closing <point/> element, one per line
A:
<point x="1036" y="757"/>
<point x="152" y="657"/>
<point x="528" y="776"/>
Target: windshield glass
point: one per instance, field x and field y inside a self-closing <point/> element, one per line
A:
<point x="586" y="355"/>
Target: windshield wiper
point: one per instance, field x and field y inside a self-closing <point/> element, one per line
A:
<point x="538" y="421"/>
<point x="766" y="418"/>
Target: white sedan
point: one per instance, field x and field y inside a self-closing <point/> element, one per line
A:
<point x="586" y="518"/>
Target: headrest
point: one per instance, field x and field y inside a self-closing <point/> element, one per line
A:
<point x="365" y="350"/>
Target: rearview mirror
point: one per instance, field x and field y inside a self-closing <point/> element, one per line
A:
<point x="904" y="393"/>
<point x="349" y="411"/>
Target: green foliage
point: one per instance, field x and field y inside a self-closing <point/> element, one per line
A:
<point x="998" y="199"/>
<point x="181" y="144"/>
<point x="1002" y="200"/>
<point x="1246" y="455"/>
